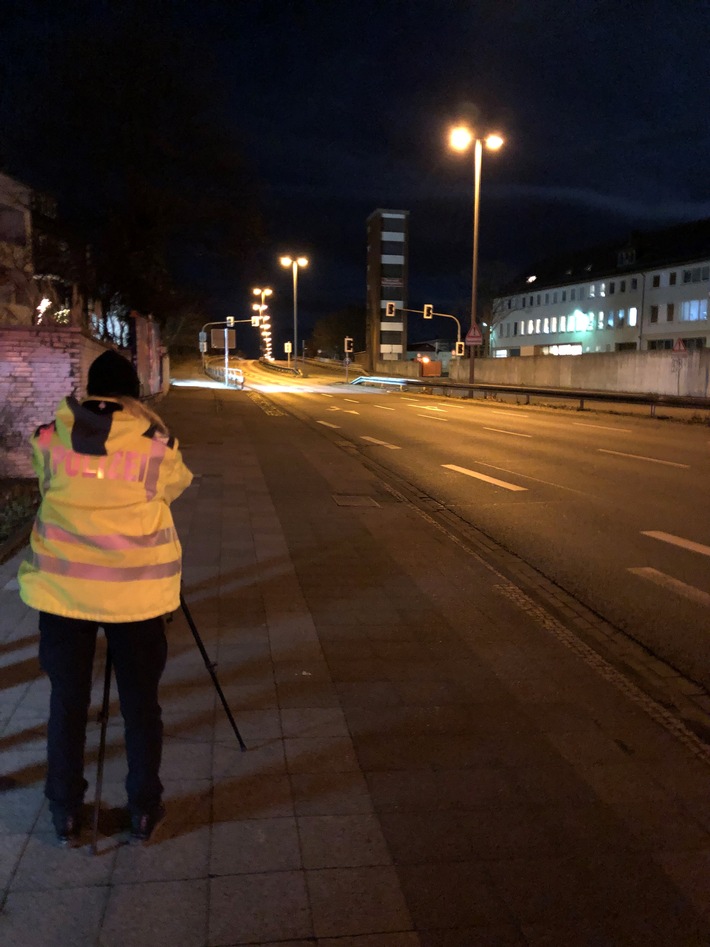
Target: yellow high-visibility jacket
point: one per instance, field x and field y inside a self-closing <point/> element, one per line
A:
<point x="104" y="545"/>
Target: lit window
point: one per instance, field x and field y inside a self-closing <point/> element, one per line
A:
<point x="602" y="289"/>
<point x="621" y="317"/>
<point x="546" y="325"/>
<point x="563" y="323"/>
<point x="600" y="320"/>
<point x="633" y="316"/>
<point x="531" y="326"/>
<point x="592" y="291"/>
<point x="610" y="319"/>
<point x="537" y="326"/>
<point x="553" y="324"/>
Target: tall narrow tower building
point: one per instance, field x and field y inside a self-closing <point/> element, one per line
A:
<point x="387" y="264"/>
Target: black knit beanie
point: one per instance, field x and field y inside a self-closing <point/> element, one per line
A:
<point x="111" y="376"/>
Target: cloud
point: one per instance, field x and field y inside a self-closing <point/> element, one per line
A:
<point x="669" y="210"/>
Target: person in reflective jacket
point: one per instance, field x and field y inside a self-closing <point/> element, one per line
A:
<point x="104" y="552"/>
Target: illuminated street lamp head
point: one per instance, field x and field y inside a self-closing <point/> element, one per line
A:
<point x="494" y="142"/>
<point x="289" y="261"/>
<point x="460" y="138"/>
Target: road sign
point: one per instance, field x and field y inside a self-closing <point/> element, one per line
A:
<point x="679" y="347"/>
<point x="217" y="340"/>
<point x="473" y="336"/>
<point x="287" y="347"/>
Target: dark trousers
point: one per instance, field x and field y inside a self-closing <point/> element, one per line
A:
<point x="66" y="654"/>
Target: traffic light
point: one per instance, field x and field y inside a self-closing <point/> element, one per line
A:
<point x="460" y="350"/>
<point x="230" y="322"/>
<point x="348" y="344"/>
<point x="428" y="311"/>
<point x="390" y="309"/>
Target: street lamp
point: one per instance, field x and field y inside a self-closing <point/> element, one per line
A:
<point x="460" y="139"/>
<point x="300" y="261"/>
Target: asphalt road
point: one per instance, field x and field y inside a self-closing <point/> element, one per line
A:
<point x="613" y="508"/>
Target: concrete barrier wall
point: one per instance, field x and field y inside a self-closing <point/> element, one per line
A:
<point x="411" y="369"/>
<point x="663" y="373"/>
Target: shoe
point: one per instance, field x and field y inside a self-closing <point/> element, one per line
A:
<point x="67" y="825"/>
<point x="143" y="824"/>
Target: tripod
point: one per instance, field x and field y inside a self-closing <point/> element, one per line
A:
<point x="103" y="714"/>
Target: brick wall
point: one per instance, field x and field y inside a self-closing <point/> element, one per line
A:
<point x="38" y="367"/>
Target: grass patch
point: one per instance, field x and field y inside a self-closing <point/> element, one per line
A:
<point x="19" y="500"/>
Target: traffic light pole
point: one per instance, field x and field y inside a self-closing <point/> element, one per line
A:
<point x="229" y="323"/>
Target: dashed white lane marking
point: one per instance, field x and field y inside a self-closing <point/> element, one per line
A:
<point x="384" y="407"/>
<point x="431" y="407"/>
<point x="351" y="400"/>
<point x="652" y="460"/>
<point x="431" y="417"/>
<point x="498" y="431"/>
<point x="677" y="541"/>
<point x="675" y="585"/>
<point x="480" y="476"/>
<point x="373" y="440"/>
<point x="350" y="411"/>
<point x="603" y="427"/>
<point x="325" y="424"/>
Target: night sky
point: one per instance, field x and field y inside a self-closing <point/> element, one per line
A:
<point x="342" y="108"/>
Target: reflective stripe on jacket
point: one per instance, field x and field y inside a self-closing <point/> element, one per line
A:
<point x="104" y="546"/>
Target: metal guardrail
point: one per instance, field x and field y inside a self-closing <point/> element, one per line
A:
<point x="573" y="394"/>
<point x="278" y="368"/>
<point x="234" y="375"/>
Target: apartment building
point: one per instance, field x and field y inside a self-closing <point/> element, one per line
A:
<point x="647" y="292"/>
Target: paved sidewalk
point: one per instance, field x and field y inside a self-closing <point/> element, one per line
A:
<point x="430" y="763"/>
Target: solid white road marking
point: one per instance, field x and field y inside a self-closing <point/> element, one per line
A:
<point x="373" y="440"/>
<point x="602" y="427"/>
<point x="652" y="460"/>
<point x="498" y="431"/>
<point x="431" y="407"/>
<point x="384" y="407"/>
<point x="432" y="417"/>
<point x="480" y="476"/>
<point x="325" y="424"/>
<point x="677" y="541"/>
<point x="675" y="585"/>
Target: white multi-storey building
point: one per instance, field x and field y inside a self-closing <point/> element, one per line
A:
<point x="645" y="293"/>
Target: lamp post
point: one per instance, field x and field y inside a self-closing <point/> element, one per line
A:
<point x="460" y="139"/>
<point x="294" y="263"/>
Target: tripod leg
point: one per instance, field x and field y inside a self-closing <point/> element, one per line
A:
<point x="210" y="667"/>
<point x="103" y="717"/>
